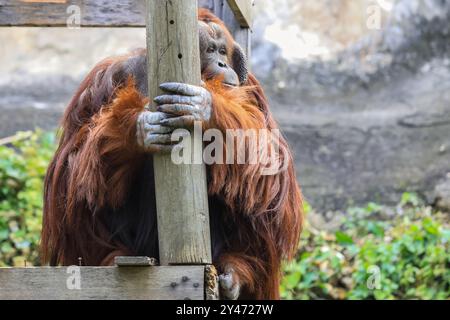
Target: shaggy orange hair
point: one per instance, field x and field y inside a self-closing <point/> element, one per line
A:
<point x="99" y="190"/>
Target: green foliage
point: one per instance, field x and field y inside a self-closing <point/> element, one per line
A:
<point x="22" y="169"/>
<point x="404" y="257"/>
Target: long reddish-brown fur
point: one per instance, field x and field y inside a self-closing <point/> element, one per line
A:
<point x="98" y="163"/>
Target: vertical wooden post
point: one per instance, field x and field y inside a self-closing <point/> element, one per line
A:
<point x="181" y="193"/>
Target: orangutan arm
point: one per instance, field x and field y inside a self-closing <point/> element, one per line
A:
<point x="266" y="207"/>
<point x="108" y="151"/>
<point x="91" y="167"/>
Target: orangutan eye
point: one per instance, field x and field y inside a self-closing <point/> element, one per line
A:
<point x="223" y="51"/>
<point x="211" y="49"/>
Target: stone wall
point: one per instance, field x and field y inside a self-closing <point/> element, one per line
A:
<point x="374" y="120"/>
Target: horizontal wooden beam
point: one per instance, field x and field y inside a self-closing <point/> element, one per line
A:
<point x="85" y="283"/>
<point x="134" y="261"/>
<point x="90" y="13"/>
<point x="62" y="13"/>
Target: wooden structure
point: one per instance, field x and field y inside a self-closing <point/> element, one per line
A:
<point x="185" y="253"/>
<point x="154" y="283"/>
<point x="181" y="192"/>
<point x="237" y="14"/>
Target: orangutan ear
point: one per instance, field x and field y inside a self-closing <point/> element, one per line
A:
<point x="240" y="63"/>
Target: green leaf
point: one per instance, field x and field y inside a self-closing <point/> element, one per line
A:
<point x="410" y="198"/>
<point x="6" y="248"/>
<point x="430" y="226"/>
<point x="343" y="238"/>
<point x="4" y="234"/>
<point x="376" y="229"/>
<point x="292" y="280"/>
<point x="373" y="207"/>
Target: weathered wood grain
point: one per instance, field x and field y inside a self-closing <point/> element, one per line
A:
<point x="110" y="283"/>
<point x="94" y="13"/>
<point x="242" y="10"/>
<point x="128" y="261"/>
<point x="181" y="192"/>
<point x="109" y="13"/>
<point x="240" y="34"/>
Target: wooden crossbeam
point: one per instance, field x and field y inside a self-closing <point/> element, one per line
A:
<point x="242" y="11"/>
<point x="137" y="283"/>
<point x="92" y="13"/>
<point x="115" y="13"/>
<point x="129" y="261"/>
<point x="62" y="13"/>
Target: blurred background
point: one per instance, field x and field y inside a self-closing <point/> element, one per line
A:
<point x="360" y="88"/>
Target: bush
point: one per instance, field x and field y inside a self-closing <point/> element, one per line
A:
<point x="22" y="169"/>
<point x="405" y="257"/>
